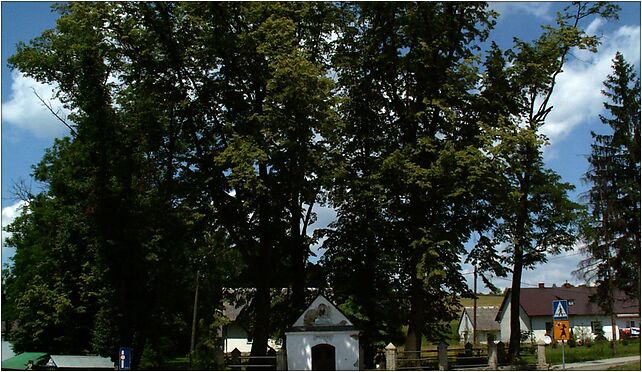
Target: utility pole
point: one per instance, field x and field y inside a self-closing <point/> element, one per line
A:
<point x="475" y="306"/>
<point x="191" y="347"/>
<point x="607" y="245"/>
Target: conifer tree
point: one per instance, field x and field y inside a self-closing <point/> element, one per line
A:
<point x="613" y="229"/>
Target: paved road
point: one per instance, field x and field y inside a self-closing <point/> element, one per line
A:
<point x="598" y="365"/>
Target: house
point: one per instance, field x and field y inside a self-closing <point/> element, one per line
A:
<point x="25" y="361"/>
<point x="585" y="317"/>
<point x="323" y="339"/>
<point x="80" y="362"/>
<point x="487" y="326"/>
<point x="235" y="335"/>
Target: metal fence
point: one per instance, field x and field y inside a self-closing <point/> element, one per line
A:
<point x="239" y="362"/>
<point x="442" y="358"/>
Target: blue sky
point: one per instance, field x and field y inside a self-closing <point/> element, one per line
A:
<point x="28" y="128"/>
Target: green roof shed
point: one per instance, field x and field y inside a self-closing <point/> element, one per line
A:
<point x="21" y="362"/>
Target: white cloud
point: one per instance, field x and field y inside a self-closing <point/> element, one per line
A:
<point x="577" y="98"/>
<point x="541" y="10"/>
<point x="8" y="215"/>
<point x="24" y="111"/>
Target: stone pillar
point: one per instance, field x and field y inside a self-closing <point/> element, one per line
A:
<point x="541" y="356"/>
<point x="468" y="349"/>
<point x="281" y="360"/>
<point x="219" y="359"/>
<point x="501" y="352"/>
<point x="391" y="357"/>
<point x="236" y="359"/>
<point x="492" y="356"/>
<point x="443" y="356"/>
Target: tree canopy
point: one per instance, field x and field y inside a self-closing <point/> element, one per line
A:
<point x="203" y="136"/>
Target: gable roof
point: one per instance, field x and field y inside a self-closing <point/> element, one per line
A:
<point x="81" y="362"/>
<point x="21" y="361"/>
<point x="539" y="301"/>
<point x="485" y="317"/>
<point x="322" y="315"/>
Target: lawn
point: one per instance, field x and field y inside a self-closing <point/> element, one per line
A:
<point x="635" y="366"/>
<point x="483" y="300"/>
<point x="596" y="351"/>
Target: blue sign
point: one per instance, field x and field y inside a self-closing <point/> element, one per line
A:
<point x="560" y="310"/>
<point x="124" y="358"/>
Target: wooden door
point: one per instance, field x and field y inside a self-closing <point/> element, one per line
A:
<point x="323" y="358"/>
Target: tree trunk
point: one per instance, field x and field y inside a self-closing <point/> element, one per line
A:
<point x="416" y="321"/>
<point x="262" y="279"/>
<point x="298" y="255"/>
<point x="515" y="330"/>
<point x="518" y="265"/>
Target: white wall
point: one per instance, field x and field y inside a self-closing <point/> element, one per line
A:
<point x="581" y="325"/>
<point x="239" y="343"/>
<point x="299" y="348"/>
<point x="465" y="331"/>
<point x="504" y="323"/>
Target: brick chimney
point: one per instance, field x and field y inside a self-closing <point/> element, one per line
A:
<point x="540" y="285"/>
<point x="567" y="285"/>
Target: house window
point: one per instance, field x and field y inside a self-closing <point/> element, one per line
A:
<point x="249" y="339"/>
<point x="630" y="323"/>
<point x="596" y="326"/>
<point x="549" y="328"/>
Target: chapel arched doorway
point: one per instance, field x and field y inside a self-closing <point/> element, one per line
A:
<point x="323" y="358"/>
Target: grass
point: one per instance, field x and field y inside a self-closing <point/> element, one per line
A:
<point x="635" y="366"/>
<point x="483" y="300"/>
<point x="596" y="351"/>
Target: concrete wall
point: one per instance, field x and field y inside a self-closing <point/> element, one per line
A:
<point x="504" y="323"/>
<point x="236" y="337"/>
<point x="581" y="325"/>
<point x="300" y="344"/>
<point x="465" y="331"/>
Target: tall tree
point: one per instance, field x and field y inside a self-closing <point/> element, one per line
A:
<point x="409" y="151"/>
<point x="613" y="230"/>
<point x="535" y="215"/>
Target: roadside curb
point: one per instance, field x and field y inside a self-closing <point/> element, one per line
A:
<point x="597" y="365"/>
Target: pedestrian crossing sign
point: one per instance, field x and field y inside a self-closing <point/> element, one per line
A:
<point x="562" y="330"/>
<point x="560" y="310"/>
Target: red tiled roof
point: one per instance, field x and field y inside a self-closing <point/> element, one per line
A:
<point x="539" y="301"/>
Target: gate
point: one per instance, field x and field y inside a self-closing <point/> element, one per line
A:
<point x="236" y="361"/>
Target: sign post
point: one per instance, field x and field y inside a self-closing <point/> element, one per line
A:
<point x="124" y="358"/>
<point x="561" y="331"/>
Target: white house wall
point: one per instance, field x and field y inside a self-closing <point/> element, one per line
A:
<point x="504" y="323"/>
<point x="238" y="343"/>
<point x="466" y="332"/>
<point x="581" y="325"/>
<point x="465" y="329"/>
<point x="346" y="349"/>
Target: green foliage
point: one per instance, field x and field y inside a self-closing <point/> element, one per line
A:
<point x="612" y="230"/>
<point x="597" y="351"/>
<point x="203" y="134"/>
<point x="535" y="216"/>
<point x="408" y="175"/>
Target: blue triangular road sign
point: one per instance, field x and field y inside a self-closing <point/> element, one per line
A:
<point x="560" y="309"/>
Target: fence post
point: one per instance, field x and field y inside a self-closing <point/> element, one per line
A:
<point x="501" y="353"/>
<point x="468" y="349"/>
<point x="541" y="356"/>
<point x="281" y="361"/>
<point x="391" y="357"/>
<point x="236" y="359"/>
<point x="492" y="356"/>
<point x="443" y="356"/>
<point x="219" y="358"/>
